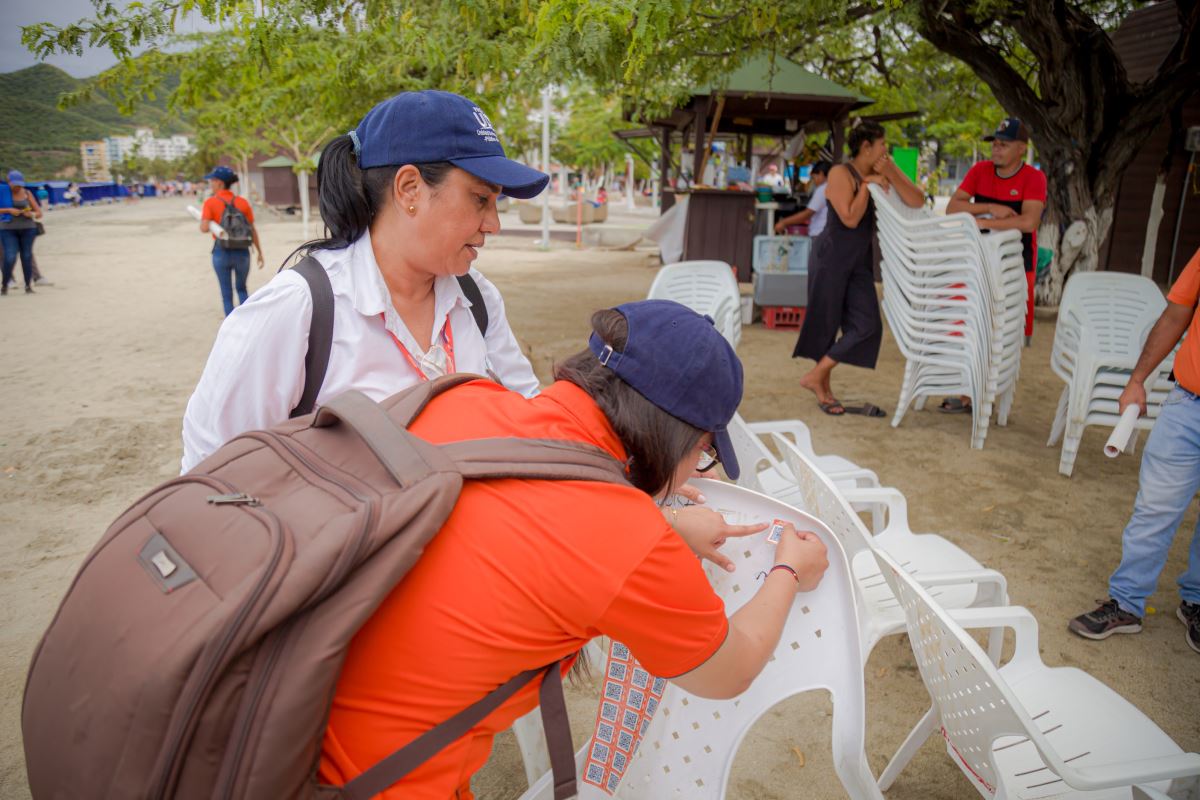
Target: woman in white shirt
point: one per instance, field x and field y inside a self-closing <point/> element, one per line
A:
<point x="408" y="197"/>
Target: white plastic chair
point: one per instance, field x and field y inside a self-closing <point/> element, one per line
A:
<point x="1103" y="321"/>
<point x="762" y="471"/>
<point x="706" y="287"/>
<point x="956" y="578"/>
<point x="1025" y="730"/>
<point x="690" y="744"/>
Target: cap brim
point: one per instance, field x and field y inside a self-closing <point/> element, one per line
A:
<point x="726" y="453"/>
<point x="513" y="178"/>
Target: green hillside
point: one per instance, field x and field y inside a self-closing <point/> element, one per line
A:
<point x="42" y="141"/>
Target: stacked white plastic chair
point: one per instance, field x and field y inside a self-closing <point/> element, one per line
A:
<point x="1103" y="321"/>
<point x="955" y="301"/>
<point x="957" y="579"/>
<point x="706" y="287"/>
<point x="1026" y="730"/>
<point x="689" y="747"/>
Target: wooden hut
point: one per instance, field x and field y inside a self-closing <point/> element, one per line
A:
<point x="1143" y="39"/>
<point x="760" y="98"/>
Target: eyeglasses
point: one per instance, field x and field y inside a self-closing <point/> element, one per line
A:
<point x="708" y="459"/>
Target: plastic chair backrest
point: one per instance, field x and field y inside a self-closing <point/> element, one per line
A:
<point x="752" y="454"/>
<point x="1116" y="309"/>
<point x="706" y="287"/>
<point x="973" y="701"/>
<point x="690" y="744"/>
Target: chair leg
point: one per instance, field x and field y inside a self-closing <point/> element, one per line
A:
<point x="532" y="741"/>
<point x="916" y="737"/>
<point x="1070" y="448"/>
<point x="1060" y="418"/>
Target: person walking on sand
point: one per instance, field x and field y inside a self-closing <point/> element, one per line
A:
<point x="841" y="280"/>
<point x="18" y="229"/>
<point x="231" y="256"/>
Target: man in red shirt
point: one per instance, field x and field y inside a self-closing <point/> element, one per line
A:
<point x="231" y="260"/>
<point x="1005" y="194"/>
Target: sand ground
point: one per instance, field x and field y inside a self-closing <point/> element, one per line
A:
<point x="98" y="368"/>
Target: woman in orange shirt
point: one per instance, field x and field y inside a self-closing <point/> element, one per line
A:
<point x="524" y="573"/>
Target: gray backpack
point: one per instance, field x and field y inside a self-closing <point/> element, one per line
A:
<point x="197" y="651"/>
<point x="238" y="231"/>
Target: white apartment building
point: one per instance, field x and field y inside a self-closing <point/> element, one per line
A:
<point x="144" y="144"/>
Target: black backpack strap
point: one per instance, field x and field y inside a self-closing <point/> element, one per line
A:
<point x="554" y="716"/>
<point x="320" y="333"/>
<point x="478" y="308"/>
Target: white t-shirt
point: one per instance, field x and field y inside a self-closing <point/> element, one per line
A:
<point x="820" y="212"/>
<point x="255" y="373"/>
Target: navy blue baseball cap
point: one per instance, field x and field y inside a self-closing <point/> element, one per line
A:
<point x="222" y="173"/>
<point x="1010" y="130"/>
<point x="676" y="359"/>
<point x="431" y="126"/>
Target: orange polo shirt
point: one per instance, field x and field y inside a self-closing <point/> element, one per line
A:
<point x="1186" y="292"/>
<point x="522" y="574"/>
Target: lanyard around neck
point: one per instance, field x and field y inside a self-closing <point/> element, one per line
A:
<point x="447" y="334"/>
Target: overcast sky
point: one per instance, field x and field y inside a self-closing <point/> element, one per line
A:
<point x="16" y="13"/>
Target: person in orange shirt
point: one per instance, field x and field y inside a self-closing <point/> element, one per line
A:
<point x="524" y="573"/>
<point x="1168" y="480"/>
<point x="231" y="256"/>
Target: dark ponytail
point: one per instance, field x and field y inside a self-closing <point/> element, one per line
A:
<point x="350" y="196"/>
<point x="863" y="133"/>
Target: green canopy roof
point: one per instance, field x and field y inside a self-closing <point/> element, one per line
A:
<point x="760" y="76"/>
<point x="278" y="161"/>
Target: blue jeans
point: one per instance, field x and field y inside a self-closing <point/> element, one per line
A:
<point x="230" y="264"/>
<point x="18" y="242"/>
<point x="1169" y="478"/>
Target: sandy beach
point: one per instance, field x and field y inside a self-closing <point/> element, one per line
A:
<point x="98" y="369"/>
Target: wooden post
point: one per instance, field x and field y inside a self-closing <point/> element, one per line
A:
<point x="698" y="134"/>
<point x="839" y="139"/>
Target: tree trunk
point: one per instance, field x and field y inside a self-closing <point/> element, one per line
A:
<point x="1080" y="211"/>
<point x="302" y="182"/>
<point x="1150" y="246"/>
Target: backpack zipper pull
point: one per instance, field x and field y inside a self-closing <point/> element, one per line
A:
<point x="237" y="499"/>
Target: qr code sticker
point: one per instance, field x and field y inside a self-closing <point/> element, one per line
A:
<point x="613" y="782"/>
<point x="776" y="531"/>
<point x="630" y="720"/>
<point x="636" y="699"/>
<point x="659" y="685"/>
<point x="645" y="725"/>
<point x="599" y="752"/>
<point x="625" y="741"/>
<point x="595" y="774"/>
<point x="605" y="733"/>
<point x="617" y="671"/>
<point x="620" y="651"/>
<point x="651" y="706"/>
<point x="619" y="761"/>
<point x="608" y="711"/>
<point x="641" y="678"/>
<point x="614" y="691"/>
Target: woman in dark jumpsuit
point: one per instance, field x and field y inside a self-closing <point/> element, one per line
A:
<point x="841" y="281"/>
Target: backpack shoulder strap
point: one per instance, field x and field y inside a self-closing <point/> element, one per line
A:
<point x="320" y="333"/>
<point x="539" y="459"/>
<point x="478" y="308"/>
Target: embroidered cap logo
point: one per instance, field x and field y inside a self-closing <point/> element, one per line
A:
<point x="486" y="131"/>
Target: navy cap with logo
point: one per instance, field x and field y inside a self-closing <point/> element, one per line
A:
<point x="430" y="126"/>
<point x="1010" y="130"/>
<point x="222" y="173"/>
<point x="678" y="361"/>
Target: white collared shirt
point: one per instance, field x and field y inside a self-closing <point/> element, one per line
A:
<point x="820" y="207"/>
<point x="255" y="374"/>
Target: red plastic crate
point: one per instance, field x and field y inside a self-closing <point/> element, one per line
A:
<point x="783" y="317"/>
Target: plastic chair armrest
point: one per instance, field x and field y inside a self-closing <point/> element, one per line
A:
<point x="889" y="497"/>
<point x="1022" y="622"/>
<point x="1148" y="793"/>
<point x="1142" y="770"/>
<point x="982" y="577"/>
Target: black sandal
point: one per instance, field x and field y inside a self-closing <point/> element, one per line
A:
<point x="954" y="405"/>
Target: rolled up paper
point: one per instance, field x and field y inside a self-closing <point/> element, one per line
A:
<point x="213" y="227"/>
<point x="1119" y="439"/>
